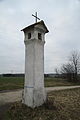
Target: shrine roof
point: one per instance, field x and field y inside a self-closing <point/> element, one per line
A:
<point x="33" y="25"/>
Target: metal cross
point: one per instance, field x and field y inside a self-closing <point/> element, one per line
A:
<point x="36" y="18"/>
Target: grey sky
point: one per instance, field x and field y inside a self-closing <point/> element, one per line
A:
<point x="62" y="18"/>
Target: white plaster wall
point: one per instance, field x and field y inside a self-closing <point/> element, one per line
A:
<point x="39" y="92"/>
<point x="29" y="74"/>
<point x="39" y="64"/>
<point x="34" y="92"/>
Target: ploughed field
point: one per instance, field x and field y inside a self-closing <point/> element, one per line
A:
<point x="11" y="83"/>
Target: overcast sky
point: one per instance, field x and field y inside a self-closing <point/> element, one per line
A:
<point x="62" y="17"/>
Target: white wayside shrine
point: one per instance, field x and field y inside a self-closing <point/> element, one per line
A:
<point x="34" y="92"/>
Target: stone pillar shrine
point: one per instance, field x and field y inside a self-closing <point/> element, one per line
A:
<point x="34" y="92"/>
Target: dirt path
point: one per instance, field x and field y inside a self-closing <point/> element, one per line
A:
<point x="61" y="88"/>
<point x="10" y="96"/>
<point x="13" y="96"/>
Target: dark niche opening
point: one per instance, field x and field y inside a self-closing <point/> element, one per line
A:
<point x="29" y="35"/>
<point x="39" y="36"/>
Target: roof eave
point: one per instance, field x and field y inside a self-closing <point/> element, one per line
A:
<point x="32" y="26"/>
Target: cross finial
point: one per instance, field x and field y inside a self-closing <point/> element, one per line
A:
<point x="36" y="18"/>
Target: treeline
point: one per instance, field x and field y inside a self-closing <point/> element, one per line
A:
<point x="22" y="75"/>
<point x="12" y="75"/>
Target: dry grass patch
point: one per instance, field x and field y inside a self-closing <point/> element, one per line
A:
<point x="61" y="105"/>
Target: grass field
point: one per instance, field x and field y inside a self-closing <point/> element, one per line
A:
<point x="61" y="105"/>
<point x="10" y="83"/>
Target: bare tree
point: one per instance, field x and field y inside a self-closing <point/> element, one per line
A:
<point x="57" y="72"/>
<point x="67" y="71"/>
<point x="72" y="68"/>
<point x="75" y="62"/>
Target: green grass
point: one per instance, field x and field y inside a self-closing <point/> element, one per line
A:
<point x="61" y="105"/>
<point x="10" y="83"/>
<point x="52" y="82"/>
